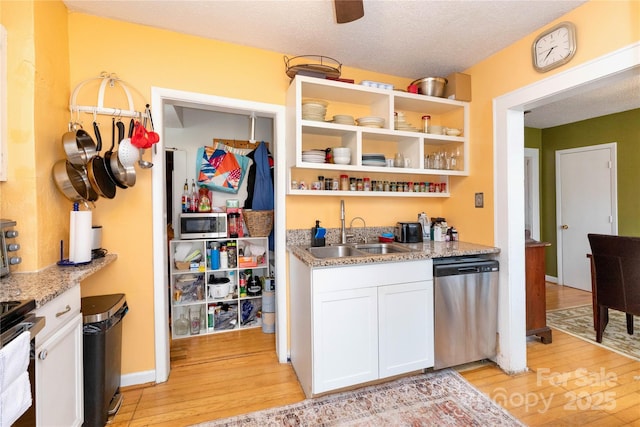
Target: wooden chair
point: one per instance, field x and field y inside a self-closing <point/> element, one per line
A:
<point x="616" y="266"/>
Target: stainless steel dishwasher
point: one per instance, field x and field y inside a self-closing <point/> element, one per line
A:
<point x="466" y="309"/>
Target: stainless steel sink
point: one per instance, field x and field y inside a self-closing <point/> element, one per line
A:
<point x="335" y="251"/>
<point x="356" y="249"/>
<point x="380" y="248"/>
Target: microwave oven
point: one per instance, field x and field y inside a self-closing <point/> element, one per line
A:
<point x="209" y="225"/>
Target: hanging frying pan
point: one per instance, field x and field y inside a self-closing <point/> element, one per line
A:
<point x="97" y="171"/>
<point x="111" y="159"/>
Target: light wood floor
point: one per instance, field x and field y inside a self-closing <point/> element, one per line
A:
<point x="569" y="383"/>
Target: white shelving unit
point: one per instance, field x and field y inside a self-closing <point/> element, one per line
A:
<point x="362" y="101"/>
<point x="190" y="289"/>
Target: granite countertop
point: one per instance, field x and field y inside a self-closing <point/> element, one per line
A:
<point x="425" y="250"/>
<point x="45" y="285"/>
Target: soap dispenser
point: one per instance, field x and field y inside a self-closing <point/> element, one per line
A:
<point x="318" y="234"/>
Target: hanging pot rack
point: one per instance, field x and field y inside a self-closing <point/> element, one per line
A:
<point x="106" y="79"/>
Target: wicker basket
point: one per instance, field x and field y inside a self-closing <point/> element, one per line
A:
<point x="259" y="223"/>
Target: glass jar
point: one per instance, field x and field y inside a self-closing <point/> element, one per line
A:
<point x="328" y="184"/>
<point x="181" y="325"/>
<point x="352" y="184"/>
<point x="398" y="160"/>
<point x="344" y="182"/>
<point x="425" y="123"/>
<point x="367" y="184"/>
<point x="359" y="185"/>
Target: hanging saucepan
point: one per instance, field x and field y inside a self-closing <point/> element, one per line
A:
<point x="72" y="182"/>
<point x="111" y="160"/>
<point x="97" y="171"/>
<point x="78" y="145"/>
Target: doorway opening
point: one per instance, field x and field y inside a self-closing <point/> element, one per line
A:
<point x="509" y="176"/>
<point x="173" y="104"/>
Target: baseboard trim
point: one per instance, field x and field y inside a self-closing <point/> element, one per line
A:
<point x="138" y="378"/>
<point x="551" y="279"/>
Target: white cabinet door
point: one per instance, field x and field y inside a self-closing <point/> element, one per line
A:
<point x="59" y="385"/>
<point x="345" y="338"/>
<point x="405" y="322"/>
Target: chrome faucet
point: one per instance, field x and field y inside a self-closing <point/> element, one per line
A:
<point x="343" y="231"/>
<point x="364" y="225"/>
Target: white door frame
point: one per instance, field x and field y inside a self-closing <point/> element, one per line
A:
<point x="533" y="154"/>
<point x="160" y="96"/>
<point x="614" y="197"/>
<point x="508" y="152"/>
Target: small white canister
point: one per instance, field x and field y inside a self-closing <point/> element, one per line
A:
<point x="96" y="237"/>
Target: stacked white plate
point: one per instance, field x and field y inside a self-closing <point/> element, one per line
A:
<point x="314" y="109"/>
<point x="401" y="123"/>
<point x="373" y="159"/>
<point x="314" y="156"/>
<point x="343" y="119"/>
<point x="370" y="122"/>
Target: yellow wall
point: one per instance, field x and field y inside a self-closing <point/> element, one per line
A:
<point x="618" y="26"/>
<point x="146" y="57"/>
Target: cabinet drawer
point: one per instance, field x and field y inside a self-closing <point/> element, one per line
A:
<point x="367" y="275"/>
<point x="58" y="312"/>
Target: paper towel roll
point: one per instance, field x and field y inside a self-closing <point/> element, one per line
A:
<point x="80" y="237"/>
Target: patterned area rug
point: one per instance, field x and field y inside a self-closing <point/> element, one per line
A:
<point x="578" y="321"/>
<point x="441" y="398"/>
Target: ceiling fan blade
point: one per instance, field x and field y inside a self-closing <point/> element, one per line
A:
<point x="348" y="10"/>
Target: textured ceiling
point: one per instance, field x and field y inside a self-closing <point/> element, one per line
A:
<point x="408" y="38"/>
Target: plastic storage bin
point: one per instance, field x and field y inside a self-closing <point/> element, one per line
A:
<point x="102" y="344"/>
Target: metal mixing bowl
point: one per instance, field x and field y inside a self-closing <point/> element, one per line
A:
<point x="431" y="86"/>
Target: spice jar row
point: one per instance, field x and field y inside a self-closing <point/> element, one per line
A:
<point x="350" y="183"/>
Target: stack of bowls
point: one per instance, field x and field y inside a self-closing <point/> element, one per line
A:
<point x="314" y="109"/>
<point x="342" y="155"/>
<point x="343" y="119"/>
<point x="371" y="122"/>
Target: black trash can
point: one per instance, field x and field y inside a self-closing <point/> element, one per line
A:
<point x="102" y="345"/>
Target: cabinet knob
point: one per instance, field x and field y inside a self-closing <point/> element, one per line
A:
<point x="43" y="354"/>
<point x="564" y="226"/>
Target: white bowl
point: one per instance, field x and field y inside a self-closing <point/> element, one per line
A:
<point x="341" y="151"/>
<point x="453" y="132"/>
<point x="435" y="130"/>
<point x="342" y="160"/>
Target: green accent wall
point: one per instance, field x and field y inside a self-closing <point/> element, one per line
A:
<point x="621" y="128"/>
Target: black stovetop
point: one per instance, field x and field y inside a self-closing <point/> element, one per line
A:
<point x="14" y="312"/>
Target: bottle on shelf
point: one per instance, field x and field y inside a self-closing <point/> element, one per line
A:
<point x="242" y="285"/>
<point x="224" y="258"/>
<point x="186" y="198"/>
<point x="214" y="256"/>
<point x="194" y="197"/>
<point x="210" y="317"/>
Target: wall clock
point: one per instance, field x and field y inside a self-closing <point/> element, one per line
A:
<point x="554" y="47"/>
